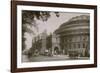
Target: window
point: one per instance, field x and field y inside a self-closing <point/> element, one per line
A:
<point x="78" y="45"/>
<point x="74" y="45"/>
<point x="83" y="45"/>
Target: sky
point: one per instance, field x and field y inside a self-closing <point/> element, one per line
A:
<point x="54" y="22"/>
<point x="50" y="25"/>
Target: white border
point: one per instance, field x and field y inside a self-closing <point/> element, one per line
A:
<point x="53" y="63"/>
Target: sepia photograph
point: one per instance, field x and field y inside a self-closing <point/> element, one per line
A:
<point x="54" y="36"/>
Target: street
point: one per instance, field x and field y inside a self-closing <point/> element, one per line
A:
<point x="48" y="58"/>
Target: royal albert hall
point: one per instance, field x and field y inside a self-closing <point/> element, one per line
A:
<point x="74" y="36"/>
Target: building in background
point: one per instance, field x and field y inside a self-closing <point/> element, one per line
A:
<point x="56" y="50"/>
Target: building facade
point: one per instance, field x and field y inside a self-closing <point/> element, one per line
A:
<point x="74" y="36"/>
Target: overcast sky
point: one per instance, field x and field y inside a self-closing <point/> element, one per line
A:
<point x="54" y="22"/>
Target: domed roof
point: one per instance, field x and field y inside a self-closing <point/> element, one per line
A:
<point x="75" y="19"/>
<point x="75" y="23"/>
<point x="81" y="17"/>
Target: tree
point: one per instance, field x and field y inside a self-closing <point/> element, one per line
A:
<point x="29" y="19"/>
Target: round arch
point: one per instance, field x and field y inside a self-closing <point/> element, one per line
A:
<point x="56" y="50"/>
